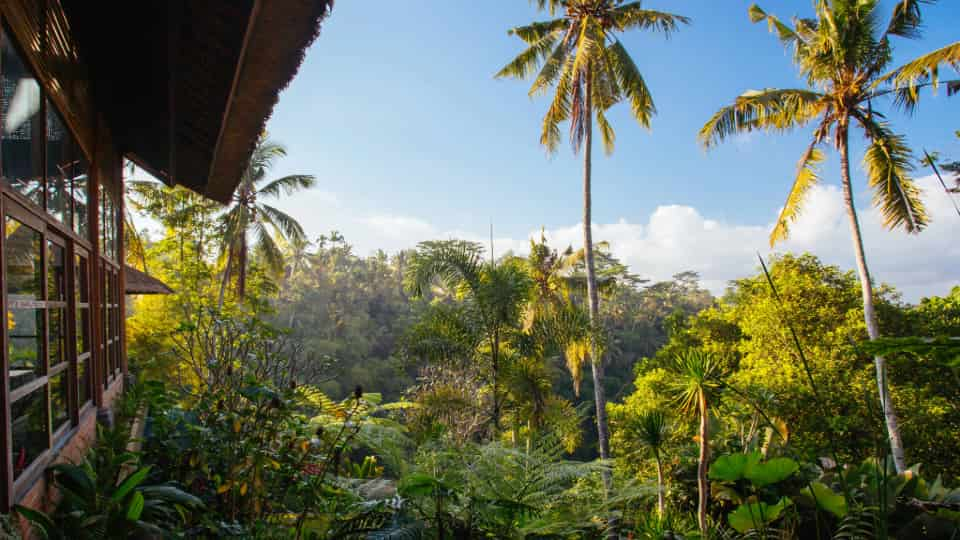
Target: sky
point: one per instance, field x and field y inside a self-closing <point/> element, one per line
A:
<point x="397" y="113"/>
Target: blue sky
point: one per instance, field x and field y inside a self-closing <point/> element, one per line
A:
<point x="397" y="113"/>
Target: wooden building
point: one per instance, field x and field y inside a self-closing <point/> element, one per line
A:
<point x="181" y="87"/>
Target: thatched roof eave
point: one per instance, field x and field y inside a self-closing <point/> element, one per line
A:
<point x="138" y="282"/>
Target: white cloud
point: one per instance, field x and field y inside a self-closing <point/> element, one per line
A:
<point x="676" y="238"/>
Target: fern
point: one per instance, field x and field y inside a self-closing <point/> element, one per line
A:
<point x="857" y="525"/>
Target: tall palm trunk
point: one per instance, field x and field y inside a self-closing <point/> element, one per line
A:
<point x="226" y="277"/>
<point x="869" y="312"/>
<point x="242" y="267"/>
<point x="495" y="364"/>
<point x="702" y="485"/>
<point x="661" y="504"/>
<point x="593" y="297"/>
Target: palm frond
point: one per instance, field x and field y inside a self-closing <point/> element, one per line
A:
<point x="555" y="68"/>
<point x="453" y="262"/>
<point x="888" y="162"/>
<point x="288" y="185"/>
<point x="559" y="110"/>
<point x="634" y="16"/>
<point x="788" y="36"/>
<point x="536" y="32"/>
<point x="267" y="248"/>
<point x="550" y="6"/>
<point x="905" y="20"/>
<point x="807" y="177"/>
<point x="607" y="135"/>
<point x="769" y="110"/>
<point x="285" y="224"/>
<point x="631" y="83"/>
<point x="925" y="68"/>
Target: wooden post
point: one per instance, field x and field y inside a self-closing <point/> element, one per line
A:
<point x="97" y="354"/>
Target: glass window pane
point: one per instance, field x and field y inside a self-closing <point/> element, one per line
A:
<point x="59" y="404"/>
<point x="30" y="429"/>
<point x="61" y="162"/>
<point x="56" y="273"/>
<point x="22" y="256"/>
<point x="25" y="328"/>
<point x="79" y="182"/>
<point x="83" y="381"/>
<point x="24" y="316"/>
<point x="21" y="136"/>
<point x="57" y="336"/>
<point x="80" y="279"/>
<point x="83" y="325"/>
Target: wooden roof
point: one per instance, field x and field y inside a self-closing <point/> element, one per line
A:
<point x="186" y="86"/>
<point x="138" y="282"/>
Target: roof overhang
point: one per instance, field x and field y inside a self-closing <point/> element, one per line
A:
<point x="138" y="282"/>
<point x="187" y="86"/>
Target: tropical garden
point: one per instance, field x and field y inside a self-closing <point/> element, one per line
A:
<point x="294" y="388"/>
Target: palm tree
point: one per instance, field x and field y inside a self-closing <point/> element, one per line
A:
<point x="296" y="253"/>
<point x="842" y="53"/>
<point x="249" y="215"/>
<point x="579" y="54"/>
<point x="494" y="295"/>
<point x="652" y="433"/>
<point x="698" y="377"/>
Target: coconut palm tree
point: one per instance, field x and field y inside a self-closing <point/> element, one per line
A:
<point x="842" y="53"/>
<point x="248" y="215"/>
<point x="590" y="70"/>
<point x="698" y="379"/>
<point x="652" y="433"/>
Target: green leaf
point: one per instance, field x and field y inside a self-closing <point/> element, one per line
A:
<point x="826" y="499"/>
<point x="75" y="479"/>
<point x="135" y="508"/>
<point x="418" y="484"/>
<point x="132" y="481"/>
<point x="770" y="472"/>
<point x="731" y="467"/>
<point x="756" y="515"/>
<point x="40" y="521"/>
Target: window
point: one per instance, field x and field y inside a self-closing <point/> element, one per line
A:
<point x="25" y="321"/>
<point x="23" y="257"/>
<point x="109" y="221"/>
<point x="22" y="124"/>
<point x="31" y="128"/>
<point x="82" y="302"/>
<point x="110" y="344"/>
<point x="50" y="269"/>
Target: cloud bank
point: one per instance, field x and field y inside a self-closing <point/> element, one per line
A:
<point x="675" y="238"/>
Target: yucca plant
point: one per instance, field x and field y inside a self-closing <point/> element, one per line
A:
<point x="581" y="57"/>
<point x="698" y="379"/>
<point x="652" y="432"/>
<point x="842" y="52"/>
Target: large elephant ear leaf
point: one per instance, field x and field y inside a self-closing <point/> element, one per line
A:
<point x="752" y="516"/>
<point x="826" y="499"/>
<point x="732" y="467"/>
<point x="770" y="472"/>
